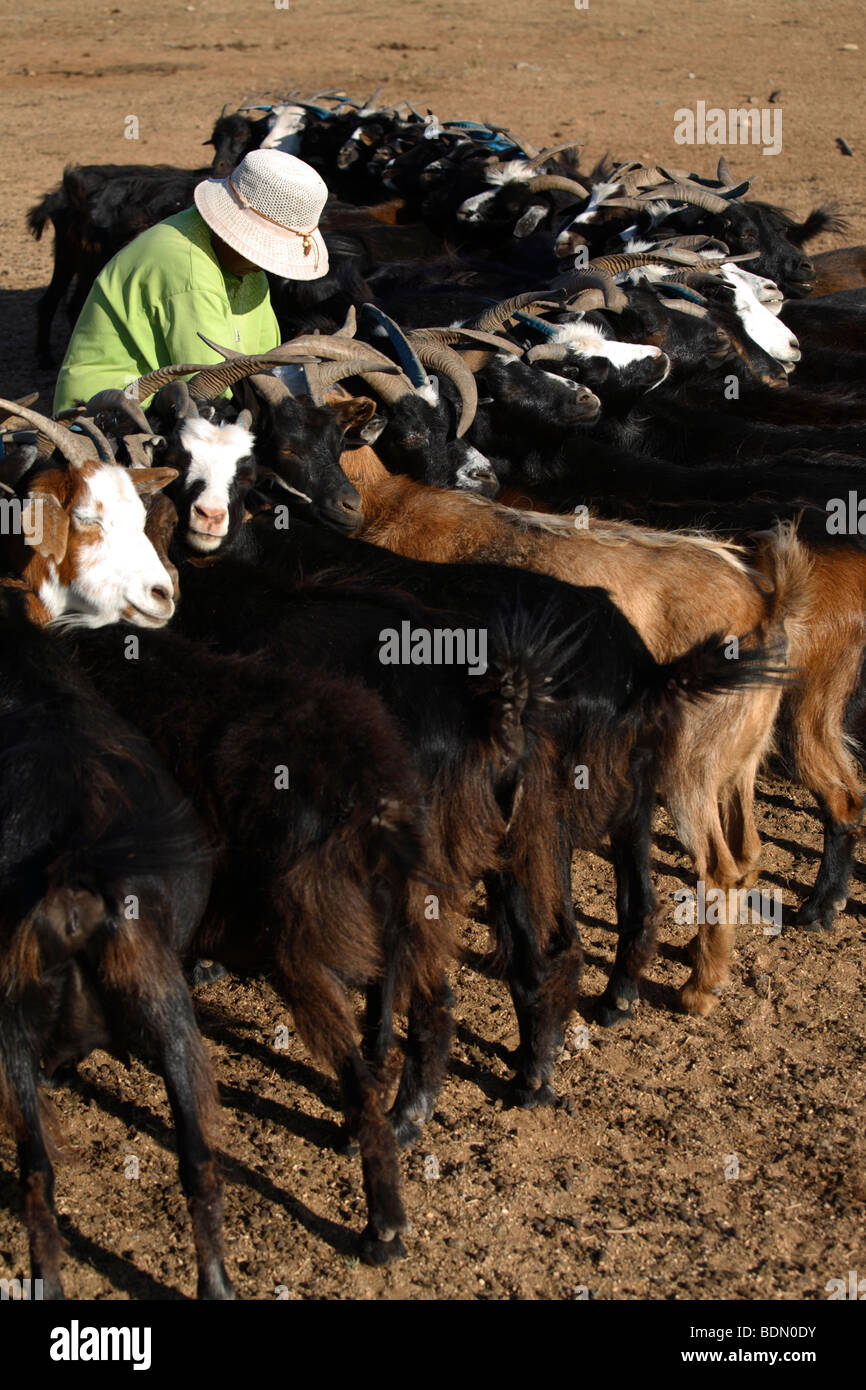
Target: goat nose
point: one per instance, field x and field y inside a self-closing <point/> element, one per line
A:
<point x="350" y="504"/>
<point x="216" y="514"/>
<point x="160" y="593"/>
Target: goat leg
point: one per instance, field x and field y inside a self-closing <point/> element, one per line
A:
<point x="380" y="1241"/>
<point x="21" y="1070"/>
<point x="428" y="1046"/>
<point x="543" y="989"/>
<point x="160" y="1007"/>
<point x="830" y="892"/>
<point x="636" y="910"/>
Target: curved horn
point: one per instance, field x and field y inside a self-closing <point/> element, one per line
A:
<point x="723" y="173"/>
<point x="390" y="388"/>
<point x="409" y="360"/>
<point x="544" y="182"/>
<point x="538" y="159"/>
<point x="350" y="324"/>
<point x="685" y="306"/>
<point x="321" y="376"/>
<point x="445" y="360"/>
<point x="498" y="314"/>
<point x="113" y="401"/>
<point x="74" y="449"/>
<point x="549" y="352"/>
<point x="210" y="383"/>
<point x="145" y="386"/>
<point x="89" y="427"/>
<point x="330" y="347"/>
<point x="452" y="336"/>
<point x="690" y="193"/>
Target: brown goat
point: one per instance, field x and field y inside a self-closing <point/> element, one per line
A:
<point x="844" y="269"/>
<point x="676" y="589"/>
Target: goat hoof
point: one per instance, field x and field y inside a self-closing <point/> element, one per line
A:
<point x="697" y="1001"/>
<point x="378" y="1252"/>
<point x="217" y="1288"/>
<point x="811" y="916"/>
<point x="206" y="972"/>
<point x="528" y="1098"/>
<point x="347" y="1145"/>
<point x="406" y="1132"/>
<point x="609" y="1014"/>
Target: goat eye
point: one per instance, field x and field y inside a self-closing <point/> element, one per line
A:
<point x="87" y="520"/>
<point x="288" y="453"/>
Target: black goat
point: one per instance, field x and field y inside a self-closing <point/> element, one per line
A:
<point x="314" y="804"/>
<point x="103" y="878"/>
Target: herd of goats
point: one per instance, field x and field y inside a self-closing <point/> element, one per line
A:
<point x="603" y="431"/>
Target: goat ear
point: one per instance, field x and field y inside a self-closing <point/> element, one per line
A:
<point x="45" y="525"/>
<point x="370" y="432"/>
<point x="146" y="481"/>
<point x="354" y="413"/>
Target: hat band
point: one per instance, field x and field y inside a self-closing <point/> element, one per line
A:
<point x="308" y="239"/>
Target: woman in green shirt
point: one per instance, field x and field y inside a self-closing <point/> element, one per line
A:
<point x="200" y="271"/>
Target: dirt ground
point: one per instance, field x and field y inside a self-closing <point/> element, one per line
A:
<point x="719" y="1158"/>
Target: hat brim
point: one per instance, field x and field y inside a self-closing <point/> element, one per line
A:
<point x="267" y="245"/>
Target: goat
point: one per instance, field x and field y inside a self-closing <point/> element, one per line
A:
<point x="660" y="583"/>
<point x="104" y="874"/>
<point x="313" y="802"/>
<point x="288" y="469"/>
<point x="83" y="555"/>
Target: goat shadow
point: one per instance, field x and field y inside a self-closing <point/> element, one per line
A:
<point x="19" y="372"/>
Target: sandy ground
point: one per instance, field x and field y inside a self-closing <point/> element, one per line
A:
<point x="688" y="1159"/>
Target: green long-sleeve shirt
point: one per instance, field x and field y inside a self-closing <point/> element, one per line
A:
<point x="148" y="305"/>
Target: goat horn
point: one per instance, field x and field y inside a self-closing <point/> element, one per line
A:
<point x="454" y="336"/>
<point x="537" y="160"/>
<point x="409" y="360"/>
<point x="330" y="347"/>
<point x="321" y="376"/>
<point x="445" y="360"/>
<point x="390" y="388"/>
<point x="543" y="182"/>
<point x="210" y="383"/>
<point x="146" y="386"/>
<point x="498" y="314"/>
<point x="350" y="324"/>
<point x="548" y="352"/>
<point x="683" y="192"/>
<point x="76" y="416"/>
<point x="596" y="279"/>
<point x="114" y="401"/>
<point x="723" y="173"/>
<point x="685" y="306"/>
<point x="74" y="449"/>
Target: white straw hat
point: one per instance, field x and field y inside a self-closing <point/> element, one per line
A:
<point x="268" y="209"/>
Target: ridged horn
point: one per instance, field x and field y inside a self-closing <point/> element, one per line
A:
<point x="445" y="360"/>
<point x="498" y="314"/>
<point x="690" y="193"/>
<point x="148" y="385"/>
<point x="542" y="157"/>
<point x="90" y="427"/>
<point x="550" y="182"/>
<point x="723" y="173"/>
<point x="321" y="376"/>
<point x="74" y="449"/>
<point x="454" y="336"/>
<point x="549" y="352"/>
<point x="113" y="401"/>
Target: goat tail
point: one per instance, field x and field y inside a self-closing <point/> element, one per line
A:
<point x="782" y="558"/>
<point x="531" y="656"/>
<point x="38" y="217"/>
<point x="715" y="666"/>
